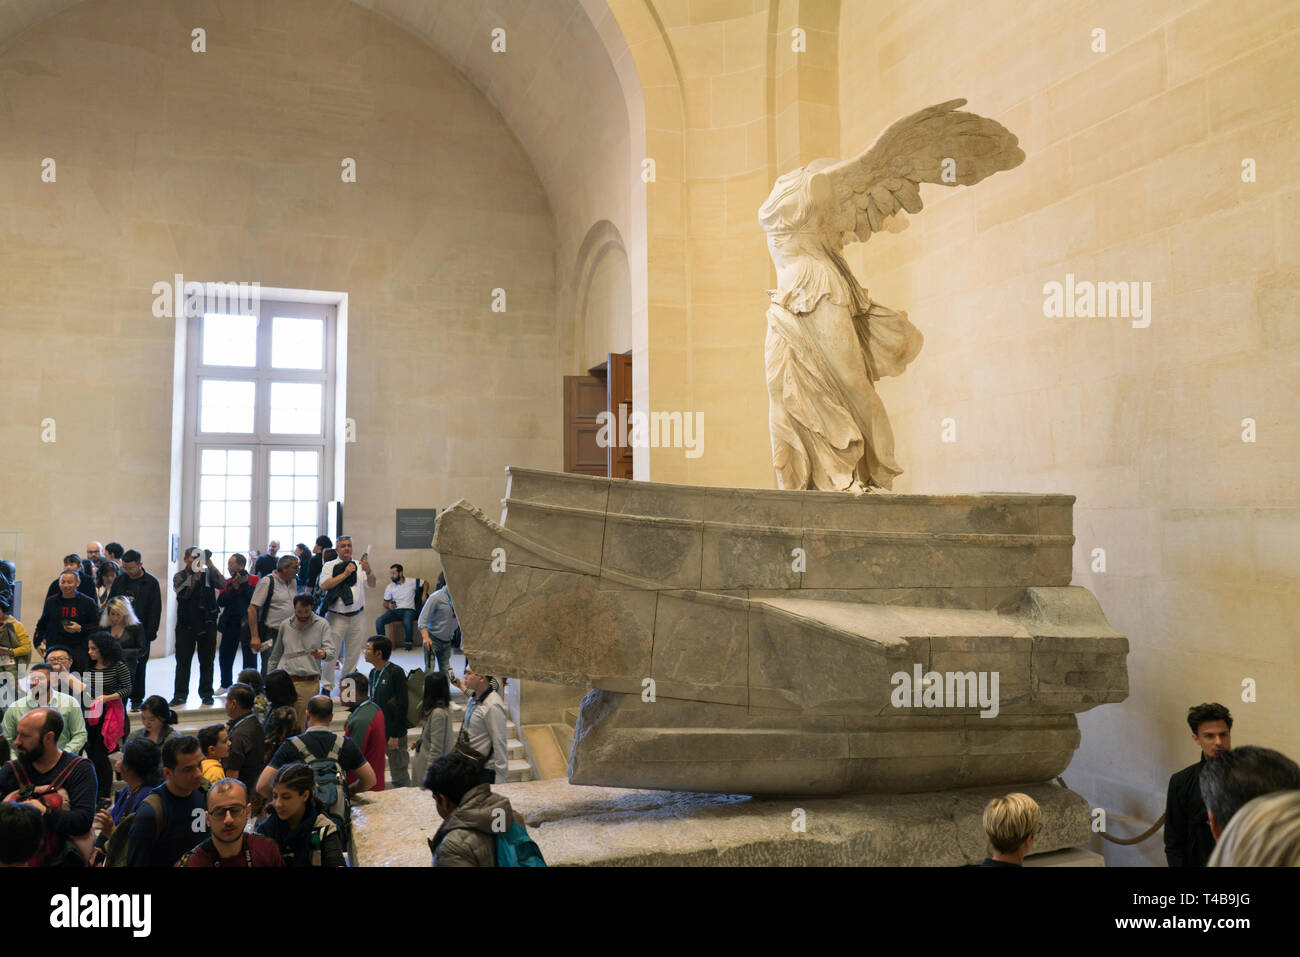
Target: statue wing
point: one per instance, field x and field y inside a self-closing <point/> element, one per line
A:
<point x="886" y="177"/>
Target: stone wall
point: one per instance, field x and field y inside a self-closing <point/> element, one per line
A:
<point x="226" y="166"/>
<point x="1134" y="173"/>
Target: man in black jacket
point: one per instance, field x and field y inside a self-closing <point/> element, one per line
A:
<point x="69" y="619"/>
<point x="85" y="584"/>
<point x="146" y="600"/>
<point x="1188" y="840"/>
<point x="196" y="624"/>
<point x="246" y="758"/>
<point x="388" y="690"/>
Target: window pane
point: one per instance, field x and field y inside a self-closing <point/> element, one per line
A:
<point x="212" y="537"/>
<point x="305" y="534"/>
<point x="283" y="534"/>
<point x="282" y="464"/>
<point x="305" y="488"/>
<point x="304" y="512"/>
<point x="212" y="487"/>
<point x="226" y="406"/>
<point x="280" y="513"/>
<point x="296" y="408"/>
<point x="297" y="343"/>
<point x="239" y="488"/>
<point x="213" y="462"/>
<point x="281" y="488"/>
<point x="229" y="340"/>
<point x="212" y="513"/>
<point x="306" y="463"/>
<point x="239" y="462"/>
<point x="238" y="513"/>
<point x="237" y="540"/>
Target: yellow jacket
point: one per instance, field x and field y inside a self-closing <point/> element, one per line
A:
<point x="14" y="638"/>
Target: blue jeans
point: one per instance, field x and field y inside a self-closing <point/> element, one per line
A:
<point x="405" y="615"/>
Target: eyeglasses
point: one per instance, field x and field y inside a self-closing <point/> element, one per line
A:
<point x="235" y="811"/>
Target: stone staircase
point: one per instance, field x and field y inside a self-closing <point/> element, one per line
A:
<point x="191" y="719"/>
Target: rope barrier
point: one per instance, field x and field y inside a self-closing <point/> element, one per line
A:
<point x="1126" y="841"/>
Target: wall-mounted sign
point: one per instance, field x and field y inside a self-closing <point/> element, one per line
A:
<point x="415" y="527"/>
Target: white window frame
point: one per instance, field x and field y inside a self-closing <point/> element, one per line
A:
<point x="261" y="440"/>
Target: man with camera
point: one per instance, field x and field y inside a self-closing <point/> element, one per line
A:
<point x="196" y="623"/>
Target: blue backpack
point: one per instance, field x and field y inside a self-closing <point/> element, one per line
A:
<point x="516" y="849"/>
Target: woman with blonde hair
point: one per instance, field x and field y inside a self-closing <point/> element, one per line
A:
<point x="1265" y="832"/>
<point x="120" y="621"/>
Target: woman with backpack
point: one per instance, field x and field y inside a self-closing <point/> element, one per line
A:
<point x="307" y="836"/>
<point x="436" y="735"/>
<point x="141" y="769"/>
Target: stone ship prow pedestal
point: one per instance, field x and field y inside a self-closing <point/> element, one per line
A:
<point x="751" y="641"/>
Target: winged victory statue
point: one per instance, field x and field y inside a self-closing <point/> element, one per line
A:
<point x="827" y="342"/>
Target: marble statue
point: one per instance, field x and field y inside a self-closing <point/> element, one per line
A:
<point x="827" y="341"/>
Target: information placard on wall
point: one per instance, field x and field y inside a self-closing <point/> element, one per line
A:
<point x="415" y="527"/>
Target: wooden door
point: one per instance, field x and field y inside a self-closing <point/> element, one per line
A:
<point x="619" y="393"/>
<point x="584" y="398"/>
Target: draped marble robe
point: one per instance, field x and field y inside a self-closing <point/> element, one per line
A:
<point x="827" y="344"/>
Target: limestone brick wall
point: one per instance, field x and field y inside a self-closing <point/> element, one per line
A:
<point x="226" y="166"/>
<point x="1134" y="173"/>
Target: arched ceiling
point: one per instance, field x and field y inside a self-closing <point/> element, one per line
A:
<point x="555" y="85"/>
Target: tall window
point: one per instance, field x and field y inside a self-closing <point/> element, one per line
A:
<point x="259" y="418"/>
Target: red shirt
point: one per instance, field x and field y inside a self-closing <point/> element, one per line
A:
<point x="264" y="852"/>
<point x="374" y="747"/>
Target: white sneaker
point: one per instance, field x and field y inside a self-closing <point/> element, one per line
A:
<point x="221" y="692"/>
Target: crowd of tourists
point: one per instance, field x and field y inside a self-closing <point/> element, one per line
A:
<point x="94" y="772"/>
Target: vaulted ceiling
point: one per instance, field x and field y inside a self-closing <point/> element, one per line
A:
<point x="556" y="88"/>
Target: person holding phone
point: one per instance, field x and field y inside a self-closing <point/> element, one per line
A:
<point x="68" y="619"/>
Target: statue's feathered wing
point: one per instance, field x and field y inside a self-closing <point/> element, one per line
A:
<point x="917" y="149"/>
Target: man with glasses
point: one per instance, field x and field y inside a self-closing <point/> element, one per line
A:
<point x="94" y="558"/>
<point x="72" y="734"/>
<point x="227" y="844"/>
<point x="271" y="606"/>
<point x="483" y="731"/>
